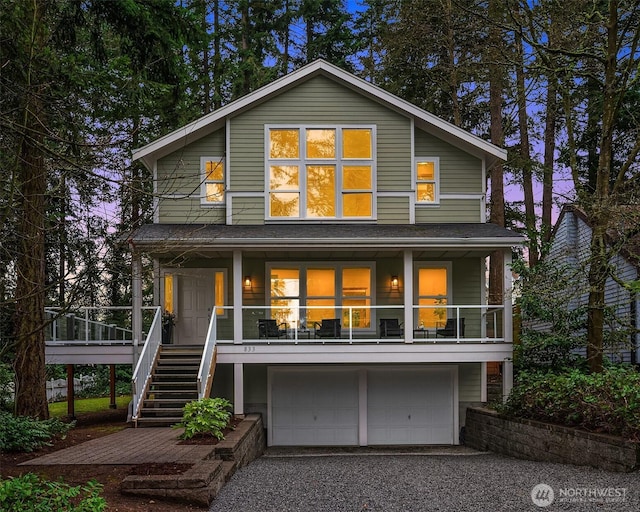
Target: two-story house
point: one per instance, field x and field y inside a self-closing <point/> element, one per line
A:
<point x="329" y="240"/>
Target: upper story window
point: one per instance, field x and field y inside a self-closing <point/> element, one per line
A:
<point x="320" y="172"/>
<point x="213" y="173"/>
<point x="427" y="180"/>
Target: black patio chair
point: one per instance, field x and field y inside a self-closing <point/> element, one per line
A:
<point x="328" y="328"/>
<point x="269" y="328"/>
<point x="390" y="327"/>
<point x="450" y="328"/>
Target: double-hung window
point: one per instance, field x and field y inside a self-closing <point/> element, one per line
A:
<point x="427" y="180"/>
<point x="213" y="175"/>
<point x="320" y="172"/>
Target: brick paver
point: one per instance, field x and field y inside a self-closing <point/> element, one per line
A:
<point x="128" y="446"/>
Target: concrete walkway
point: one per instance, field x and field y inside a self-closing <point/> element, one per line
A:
<point x="128" y="446"/>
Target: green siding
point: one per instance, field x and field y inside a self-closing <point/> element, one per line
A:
<point x="179" y="173"/>
<point x="320" y="101"/>
<point x="248" y="210"/>
<point x="450" y="210"/>
<point x="460" y="172"/>
<point x="469" y="381"/>
<point x="393" y="210"/>
<point x="467" y="287"/>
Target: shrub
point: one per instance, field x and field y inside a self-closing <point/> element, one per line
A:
<point x="207" y="416"/>
<point x="29" y="492"/>
<point x="607" y="402"/>
<point x="23" y="434"/>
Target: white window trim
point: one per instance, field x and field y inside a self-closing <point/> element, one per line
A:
<point x="338" y="266"/>
<point x="204" y="181"/>
<point x="339" y="161"/>
<point x="417" y="265"/>
<point x="436" y="179"/>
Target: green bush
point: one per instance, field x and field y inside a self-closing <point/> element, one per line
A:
<point x="29" y="492"/>
<point x="207" y="416"/>
<point x="607" y="402"/>
<point x="23" y="434"/>
<point x="6" y="386"/>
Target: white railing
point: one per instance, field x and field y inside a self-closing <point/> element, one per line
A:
<point x="142" y="372"/>
<point x="360" y="324"/>
<point x="208" y="354"/>
<point x="86" y="327"/>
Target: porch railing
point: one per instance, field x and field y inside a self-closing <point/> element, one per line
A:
<point x="361" y="324"/>
<point x="142" y="373"/>
<point x="89" y="325"/>
<point x="205" y="372"/>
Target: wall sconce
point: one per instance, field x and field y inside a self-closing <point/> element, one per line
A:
<point x="394" y="282"/>
<point x="247" y="282"/>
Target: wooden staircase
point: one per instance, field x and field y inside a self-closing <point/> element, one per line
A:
<point x="173" y="384"/>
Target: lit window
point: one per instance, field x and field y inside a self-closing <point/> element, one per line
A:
<point x="433" y="296"/>
<point x="219" y="291"/>
<point x="213" y="180"/>
<point x="168" y="293"/>
<point x="320" y="172"/>
<point x="285" y="295"/>
<point x="356" y="297"/>
<point x="427" y="180"/>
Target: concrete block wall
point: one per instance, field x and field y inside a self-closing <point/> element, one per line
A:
<point x="533" y="440"/>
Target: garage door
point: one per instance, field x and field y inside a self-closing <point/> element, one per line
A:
<point x="314" y="408"/>
<point x="410" y="406"/>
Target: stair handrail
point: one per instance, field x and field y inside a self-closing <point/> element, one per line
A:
<point x="205" y="372"/>
<point x="142" y="373"/>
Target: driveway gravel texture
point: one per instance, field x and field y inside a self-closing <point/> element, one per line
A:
<point x="414" y="483"/>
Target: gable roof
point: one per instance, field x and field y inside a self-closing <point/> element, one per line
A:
<point x="629" y="247"/>
<point x="424" y="120"/>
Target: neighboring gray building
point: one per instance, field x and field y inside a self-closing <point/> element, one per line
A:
<point x="570" y="242"/>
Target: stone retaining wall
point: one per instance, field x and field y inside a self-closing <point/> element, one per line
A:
<point x="202" y="482"/>
<point x="528" y="439"/>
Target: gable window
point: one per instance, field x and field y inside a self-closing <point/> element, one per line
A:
<point x="213" y="173"/>
<point x="320" y="172"/>
<point x="427" y="178"/>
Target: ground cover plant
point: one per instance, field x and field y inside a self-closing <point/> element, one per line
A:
<point x="32" y="493"/>
<point x="20" y="433"/>
<point x="606" y="402"/>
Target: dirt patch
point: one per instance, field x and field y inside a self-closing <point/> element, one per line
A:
<point x="93" y="426"/>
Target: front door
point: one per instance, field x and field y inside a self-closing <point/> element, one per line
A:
<point x="195" y="302"/>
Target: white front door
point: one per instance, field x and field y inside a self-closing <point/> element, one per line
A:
<point x="314" y="408"/>
<point x="411" y="406"/>
<point x="195" y="302"/>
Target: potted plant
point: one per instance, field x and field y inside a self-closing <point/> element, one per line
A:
<point x="168" y="321"/>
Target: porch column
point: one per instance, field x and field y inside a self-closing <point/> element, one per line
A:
<point x="408" y="296"/>
<point x="507" y="297"/>
<point x="136" y="301"/>
<point x="238" y="389"/>
<point x="237" y="296"/>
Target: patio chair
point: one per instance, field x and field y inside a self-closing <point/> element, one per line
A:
<point x="269" y="328"/>
<point x="390" y="327"/>
<point x="329" y="328"/>
<point x="450" y="329"/>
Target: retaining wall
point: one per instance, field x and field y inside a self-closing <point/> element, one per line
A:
<point x="533" y="440"/>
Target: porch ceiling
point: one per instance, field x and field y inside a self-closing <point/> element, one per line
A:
<point x="361" y="240"/>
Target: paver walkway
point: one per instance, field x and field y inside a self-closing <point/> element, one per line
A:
<point x="128" y="446"/>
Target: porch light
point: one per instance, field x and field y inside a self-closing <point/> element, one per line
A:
<point x="394" y="282"/>
<point x="247" y="282"/>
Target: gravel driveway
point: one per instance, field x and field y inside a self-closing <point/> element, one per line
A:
<point x="412" y="483"/>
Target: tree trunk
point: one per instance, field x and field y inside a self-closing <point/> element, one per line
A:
<point x="31" y="395"/>
<point x="549" y="158"/>
<point x="496" y="266"/>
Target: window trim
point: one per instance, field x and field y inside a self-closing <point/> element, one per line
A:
<point x="339" y="162"/>
<point x="436" y="179"/>
<point x="338" y="266"/>
<point x="204" y="181"/>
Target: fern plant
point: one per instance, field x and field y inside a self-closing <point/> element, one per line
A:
<point x="206" y="417"/>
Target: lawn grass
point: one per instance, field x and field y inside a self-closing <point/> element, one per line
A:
<point x="85" y="405"/>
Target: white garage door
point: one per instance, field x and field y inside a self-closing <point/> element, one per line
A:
<point x="410" y="406"/>
<point x="314" y="408"/>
